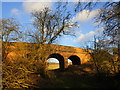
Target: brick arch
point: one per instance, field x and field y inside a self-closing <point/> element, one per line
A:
<point x="60" y="58"/>
<point x="75" y="60"/>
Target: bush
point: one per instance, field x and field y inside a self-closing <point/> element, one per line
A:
<point x="103" y="61"/>
<point x="18" y="69"/>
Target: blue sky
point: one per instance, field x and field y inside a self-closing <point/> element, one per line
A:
<point x="85" y="32"/>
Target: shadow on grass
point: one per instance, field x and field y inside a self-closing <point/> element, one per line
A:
<point x="78" y="77"/>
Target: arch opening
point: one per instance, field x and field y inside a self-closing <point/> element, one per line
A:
<point x="58" y="59"/>
<point x="53" y="63"/>
<point x="75" y="60"/>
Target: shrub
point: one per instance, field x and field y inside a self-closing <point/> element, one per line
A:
<point x="18" y="69"/>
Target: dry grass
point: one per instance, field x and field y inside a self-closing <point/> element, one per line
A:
<point x="53" y="66"/>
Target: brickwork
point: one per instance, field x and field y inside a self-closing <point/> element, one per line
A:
<point x="62" y="53"/>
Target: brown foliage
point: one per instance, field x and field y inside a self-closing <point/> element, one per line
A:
<point x="17" y="70"/>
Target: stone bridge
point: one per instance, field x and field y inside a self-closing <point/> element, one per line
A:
<point x="63" y="53"/>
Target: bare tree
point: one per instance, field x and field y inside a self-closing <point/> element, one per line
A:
<point x="50" y="24"/>
<point x="109" y="18"/>
<point x="10" y="30"/>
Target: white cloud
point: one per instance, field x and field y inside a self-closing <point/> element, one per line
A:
<point x="31" y="5"/>
<point x="84" y="37"/>
<point x="87" y="36"/>
<point x="85" y="15"/>
<point x="15" y="11"/>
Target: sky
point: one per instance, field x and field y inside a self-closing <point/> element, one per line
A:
<point x="84" y="33"/>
